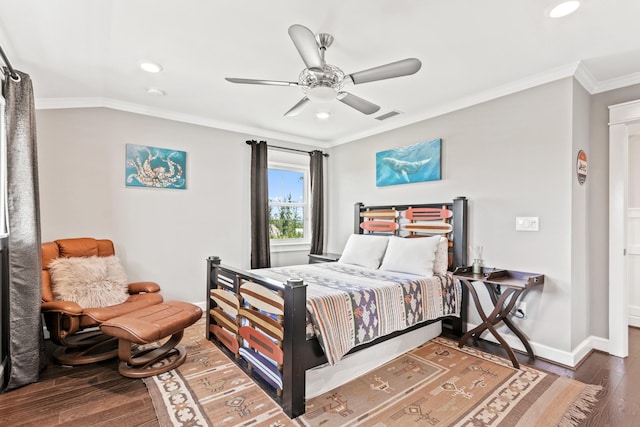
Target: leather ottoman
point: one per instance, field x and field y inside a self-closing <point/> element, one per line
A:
<point x="148" y="325"/>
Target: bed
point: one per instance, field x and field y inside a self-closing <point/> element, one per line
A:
<point x="285" y="324"/>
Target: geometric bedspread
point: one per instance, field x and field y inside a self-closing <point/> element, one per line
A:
<point x="348" y="305"/>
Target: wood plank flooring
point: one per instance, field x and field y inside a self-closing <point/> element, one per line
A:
<point x="96" y="395"/>
<point x="90" y="395"/>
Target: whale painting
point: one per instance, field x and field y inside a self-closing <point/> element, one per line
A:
<point x="414" y="163"/>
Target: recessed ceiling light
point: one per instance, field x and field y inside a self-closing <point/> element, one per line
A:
<point x="155" y="91"/>
<point x="151" y="67"/>
<point x="563" y="9"/>
<point x="323" y="115"/>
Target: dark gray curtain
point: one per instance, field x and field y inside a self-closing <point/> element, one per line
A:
<point x="26" y="343"/>
<point x="260" y="252"/>
<point x="317" y="202"/>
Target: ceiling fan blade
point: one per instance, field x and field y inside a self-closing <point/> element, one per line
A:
<point x="296" y="109"/>
<point x="260" y="82"/>
<point x="395" y="69"/>
<point x="305" y="41"/>
<point x="358" y="103"/>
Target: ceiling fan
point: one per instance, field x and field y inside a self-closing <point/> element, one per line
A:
<point x="322" y="82"/>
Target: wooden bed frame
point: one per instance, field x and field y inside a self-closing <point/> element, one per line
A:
<point x="279" y="310"/>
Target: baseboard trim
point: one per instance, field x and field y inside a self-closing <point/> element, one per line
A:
<point x="570" y="359"/>
<point x="634" y="316"/>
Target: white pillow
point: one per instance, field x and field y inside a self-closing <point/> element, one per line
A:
<point x="413" y="256"/>
<point x="364" y="250"/>
<point x="89" y="281"/>
<point x="441" y="263"/>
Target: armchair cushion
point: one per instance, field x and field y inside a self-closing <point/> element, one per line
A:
<point x="94" y="281"/>
<point x="143" y="287"/>
<point x="97" y="315"/>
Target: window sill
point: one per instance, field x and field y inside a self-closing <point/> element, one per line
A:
<point x="290" y="247"/>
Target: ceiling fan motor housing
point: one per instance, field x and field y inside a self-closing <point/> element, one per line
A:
<point x="322" y="84"/>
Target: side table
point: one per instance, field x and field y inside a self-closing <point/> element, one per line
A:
<point x="505" y="287"/>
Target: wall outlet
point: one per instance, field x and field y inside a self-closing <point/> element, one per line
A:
<point x="521" y="310"/>
<point x="527" y="223"/>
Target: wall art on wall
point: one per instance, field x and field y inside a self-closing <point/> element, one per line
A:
<point x="581" y="167"/>
<point x="414" y="163"/>
<point x="155" y="167"/>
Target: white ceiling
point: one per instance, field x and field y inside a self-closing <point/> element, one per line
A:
<point x="83" y="53"/>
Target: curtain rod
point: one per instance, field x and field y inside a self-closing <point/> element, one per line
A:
<point x="288" y="149"/>
<point x="12" y="72"/>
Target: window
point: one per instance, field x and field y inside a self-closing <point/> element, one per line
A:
<point x="288" y="204"/>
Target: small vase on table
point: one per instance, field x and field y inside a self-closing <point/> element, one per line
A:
<point x="477" y="266"/>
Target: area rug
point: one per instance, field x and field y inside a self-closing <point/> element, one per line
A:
<point x="436" y="384"/>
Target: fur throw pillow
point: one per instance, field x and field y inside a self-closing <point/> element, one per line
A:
<point x="89" y="281"/>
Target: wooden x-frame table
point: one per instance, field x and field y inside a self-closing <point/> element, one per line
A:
<point x="505" y="287"/>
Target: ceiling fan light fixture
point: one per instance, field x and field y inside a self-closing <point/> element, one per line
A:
<point x="563" y="9"/>
<point x="321" y="93"/>
<point x="323" y="115"/>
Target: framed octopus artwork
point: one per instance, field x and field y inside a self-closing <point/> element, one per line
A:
<point x="155" y="167"/>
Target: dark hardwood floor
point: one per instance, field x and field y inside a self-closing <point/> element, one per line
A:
<point x="96" y="395"/>
<point x="89" y="395"/>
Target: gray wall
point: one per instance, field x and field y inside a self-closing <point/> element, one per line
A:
<point x="512" y="156"/>
<point x="579" y="224"/>
<point x="160" y="235"/>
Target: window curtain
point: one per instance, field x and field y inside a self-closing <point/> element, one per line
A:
<point x="260" y="251"/>
<point x="317" y="202"/>
<point x="26" y="341"/>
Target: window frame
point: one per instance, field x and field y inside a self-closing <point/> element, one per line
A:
<point x="296" y="244"/>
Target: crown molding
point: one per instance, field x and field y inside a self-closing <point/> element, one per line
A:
<point x="207" y="122"/>
<point x="617" y="83"/>
<point x="594" y="86"/>
<point x="575" y="69"/>
<point x="585" y="78"/>
<point x="480" y="97"/>
<point x="61" y="103"/>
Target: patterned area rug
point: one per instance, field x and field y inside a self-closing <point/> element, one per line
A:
<point x="436" y="384"/>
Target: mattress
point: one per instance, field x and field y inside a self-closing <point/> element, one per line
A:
<point x="349" y="305"/>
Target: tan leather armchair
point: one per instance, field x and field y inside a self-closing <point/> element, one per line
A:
<point x="74" y="328"/>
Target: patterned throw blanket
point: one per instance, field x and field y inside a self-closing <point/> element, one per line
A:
<point x="350" y="305"/>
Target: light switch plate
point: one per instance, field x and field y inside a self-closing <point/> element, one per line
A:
<point x="527" y="223"/>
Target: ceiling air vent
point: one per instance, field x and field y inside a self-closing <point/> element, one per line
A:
<point x="388" y="115"/>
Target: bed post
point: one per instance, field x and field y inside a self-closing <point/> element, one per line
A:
<point x="357" y="208"/>
<point x="293" y="372"/>
<point x="460" y="231"/>
<point x="459" y="325"/>
<point x="212" y="273"/>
